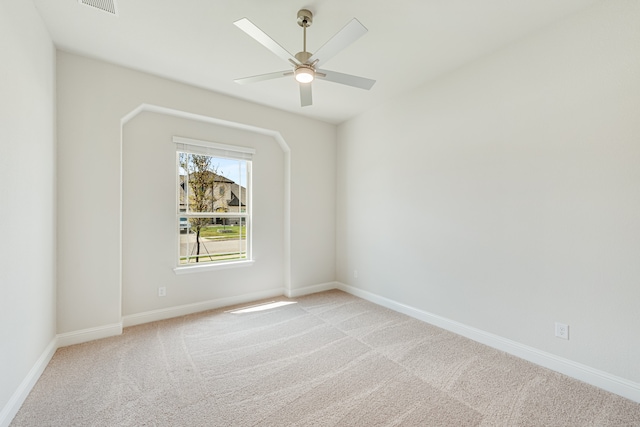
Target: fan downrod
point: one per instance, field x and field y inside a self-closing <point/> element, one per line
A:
<point x="305" y="19"/>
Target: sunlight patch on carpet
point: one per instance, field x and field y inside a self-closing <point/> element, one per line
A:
<point x="261" y="307"/>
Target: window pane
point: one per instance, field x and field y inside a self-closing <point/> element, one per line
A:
<point x="211" y="184"/>
<point x="212" y="239"/>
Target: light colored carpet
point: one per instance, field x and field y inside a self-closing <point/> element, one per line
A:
<point x="330" y="359"/>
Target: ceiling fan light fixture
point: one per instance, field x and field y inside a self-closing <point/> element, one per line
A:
<point x="305" y="74"/>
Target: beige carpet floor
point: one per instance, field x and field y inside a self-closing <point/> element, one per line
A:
<point x="329" y="359"/>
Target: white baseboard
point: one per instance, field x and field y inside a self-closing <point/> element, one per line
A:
<point x="307" y="290"/>
<point x="90" y="334"/>
<point x="17" y="399"/>
<point x="182" y="310"/>
<point x="595" y="377"/>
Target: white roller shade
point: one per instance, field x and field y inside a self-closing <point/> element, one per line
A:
<point x="213" y="149"/>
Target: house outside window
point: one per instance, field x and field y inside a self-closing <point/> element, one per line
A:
<point x="213" y="203"/>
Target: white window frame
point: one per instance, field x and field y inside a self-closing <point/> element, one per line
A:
<point x="215" y="149"/>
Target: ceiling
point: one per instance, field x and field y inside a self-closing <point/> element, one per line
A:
<point x="194" y="41"/>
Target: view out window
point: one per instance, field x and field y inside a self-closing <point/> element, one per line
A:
<point x="214" y="202"/>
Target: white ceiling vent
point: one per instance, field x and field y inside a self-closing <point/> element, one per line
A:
<point x="108" y="6"/>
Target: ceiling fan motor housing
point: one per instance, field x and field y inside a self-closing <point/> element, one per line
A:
<point x="303" y="57"/>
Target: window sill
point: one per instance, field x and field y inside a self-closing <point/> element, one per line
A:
<point x="212" y="267"/>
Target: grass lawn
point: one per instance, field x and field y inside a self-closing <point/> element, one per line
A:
<point x="222" y="232"/>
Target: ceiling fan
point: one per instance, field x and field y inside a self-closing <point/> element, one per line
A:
<point x="306" y="65"/>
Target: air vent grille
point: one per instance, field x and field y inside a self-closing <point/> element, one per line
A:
<point x="108" y="6"/>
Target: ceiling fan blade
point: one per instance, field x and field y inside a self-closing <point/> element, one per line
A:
<point x="343" y="38"/>
<point x="261" y="77"/>
<point x="261" y="37"/>
<point x="305" y="94"/>
<point x="345" y="79"/>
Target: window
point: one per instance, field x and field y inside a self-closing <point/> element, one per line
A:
<point x="213" y="217"/>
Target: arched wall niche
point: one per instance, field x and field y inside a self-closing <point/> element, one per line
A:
<point x="148" y="237"/>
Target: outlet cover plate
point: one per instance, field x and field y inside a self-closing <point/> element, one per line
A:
<point x="562" y="331"/>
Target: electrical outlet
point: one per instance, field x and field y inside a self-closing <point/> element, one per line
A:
<point x="162" y="291"/>
<point x="562" y="331"/>
<point x="355" y="274"/>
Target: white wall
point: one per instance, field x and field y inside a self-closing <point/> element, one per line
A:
<point x="505" y="196"/>
<point x="27" y="196"/>
<point x="93" y="97"/>
<point x="149" y="216"/>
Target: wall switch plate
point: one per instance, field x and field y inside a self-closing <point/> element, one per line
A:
<point x="562" y="331"/>
<point x="355" y="274"/>
<point x="162" y="291"/>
